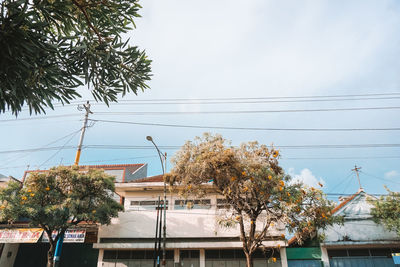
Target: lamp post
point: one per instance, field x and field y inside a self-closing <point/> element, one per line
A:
<point x="162" y="156"/>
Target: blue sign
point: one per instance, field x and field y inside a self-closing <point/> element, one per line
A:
<point x="396" y="258"/>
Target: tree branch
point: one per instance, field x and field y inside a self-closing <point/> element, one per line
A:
<point x="82" y="8"/>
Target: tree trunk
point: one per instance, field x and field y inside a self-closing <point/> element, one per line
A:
<point x="50" y="255"/>
<point x="249" y="260"/>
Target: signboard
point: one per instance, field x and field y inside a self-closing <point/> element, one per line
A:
<point x="396" y="258"/>
<point x="70" y="236"/>
<point x="28" y="235"/>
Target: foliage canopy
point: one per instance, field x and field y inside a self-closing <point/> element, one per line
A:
<point x="50" y="47"/>
<point x="59" y="199"/>
<point x="386" y="211"/>
<point x="261" y="196"/>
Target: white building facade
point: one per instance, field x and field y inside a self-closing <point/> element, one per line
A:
<point x="193" y="236"/>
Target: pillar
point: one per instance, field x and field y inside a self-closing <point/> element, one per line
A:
<point x="324" y="257"/>
<point x="202" y="257"/>
<point x="284" y="262"/>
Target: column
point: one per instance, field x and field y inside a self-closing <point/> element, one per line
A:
<point x="100" y="258"/>
<point x="324" y="257"/>
<point x="176" y="257"/>
<point x="284" y="262"/>
<point x="202" y="257"/>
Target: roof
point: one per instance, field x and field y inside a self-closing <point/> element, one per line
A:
<point x="2" y="176"/>
<point x="151" y="179"/>
<point x="334" y="210"/>
<point x="123" y="172"/>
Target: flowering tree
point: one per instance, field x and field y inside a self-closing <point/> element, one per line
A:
<point x="386" y="210"/>
<point x="258" y="191"/>
<point x="59" y="199"/>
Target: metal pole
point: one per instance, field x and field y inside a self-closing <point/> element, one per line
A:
<point x="161" y="156"/>
<point x="57" y="253"/>
<point x="159" y="240"/>
<point x="165" y="213"/>
<point x="156" y="238"/>
<point x="78" y="152"/>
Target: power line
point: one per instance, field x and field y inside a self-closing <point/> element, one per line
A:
<point x="40" y="118"/>
<point x="342" y="158"/>
<point x="243" y="111"/>
<point x="266" y="97"/>
<point x="172" y="147"/>
<point x="84" y="162"/>
<point x="204" y="112"/>
<point x="241" y="101"/>
<point x="58" y="151"/>
<point x="250" y="128"/>
<point x="34" y="150"/>
<point x="379" y="178"/>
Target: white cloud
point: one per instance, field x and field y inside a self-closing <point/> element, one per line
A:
<point x="391" y="174"/>
<point x="307" y="177"/>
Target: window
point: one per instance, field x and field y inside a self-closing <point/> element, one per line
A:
<point x="238" y="254"/>
<point x="189" y="254"/>
<point x="146" y="204"/>
<point x="223" y="204"/>
<point x="134" y="254"/>
<point x="373" y="252"/>
<point x="192" y="204"/>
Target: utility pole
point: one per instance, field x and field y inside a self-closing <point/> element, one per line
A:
<point x="356" y="170"/>
<point x="165" y="213"/>
<point x="86" y="107"/>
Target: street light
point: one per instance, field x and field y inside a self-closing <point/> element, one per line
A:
<point x="149" y="138"/>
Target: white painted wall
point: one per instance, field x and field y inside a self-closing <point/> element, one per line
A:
<point x="8" y="255"/>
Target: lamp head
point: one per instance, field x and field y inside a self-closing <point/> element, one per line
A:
<point x="149" y="138"/>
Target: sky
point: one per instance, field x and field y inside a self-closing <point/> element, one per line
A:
<point x="258" y="49"/>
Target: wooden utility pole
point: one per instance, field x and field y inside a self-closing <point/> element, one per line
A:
<point x="356" y="170"/>
<point x="87" y="109"/>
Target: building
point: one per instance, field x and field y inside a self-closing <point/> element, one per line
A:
<point x="194" y="237"/>
<point x="358" y="242"/>
<point x="23" y="246"/>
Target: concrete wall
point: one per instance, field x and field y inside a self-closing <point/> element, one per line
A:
<point x="8" y="255"/>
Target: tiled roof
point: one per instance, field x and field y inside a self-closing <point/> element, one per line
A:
<point x="151" y="179"/>
<point x="129" y="169"/>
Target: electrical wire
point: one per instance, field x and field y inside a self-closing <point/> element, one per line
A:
<point x="267" y="97"/>
<point x="165" y="147"/>
<point x="85" y="162"/>
<point x="379" y="178"/>
<point x="28" y="151"/>
<point x="58" y="151"/>
<point x="242" y="101"/>
<point x="40" y="118"/>
<point x="241" y="111"/>
<point x="351" y="97"/>
<point x="340" y="182"/>
<point x="249" y="128"/>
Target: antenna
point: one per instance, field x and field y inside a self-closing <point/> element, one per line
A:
<point x="356" y="170"/>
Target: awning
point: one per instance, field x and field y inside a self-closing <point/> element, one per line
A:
<point x="70" y="236"/>
<point x="20" y="235"/>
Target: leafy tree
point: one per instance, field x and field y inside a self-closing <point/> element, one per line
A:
<point x="386" y="210"/>
<point x="59" y="199"/>
<point x="50" y="47"/>
<point x="258" y="191"/>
